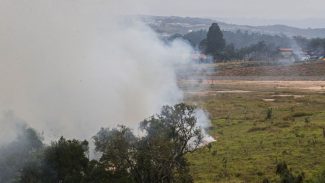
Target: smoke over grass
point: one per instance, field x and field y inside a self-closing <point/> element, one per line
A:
<point x="71" y="67"/>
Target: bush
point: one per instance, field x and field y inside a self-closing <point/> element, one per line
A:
<point x="301" y="114"/>
<point x="320" y="178"/>
<point x="286" y="176"/>
<point x="269" y="114"/>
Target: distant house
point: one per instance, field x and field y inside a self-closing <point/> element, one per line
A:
<point x="287" y="55"/>
<point x="286" y="52"/>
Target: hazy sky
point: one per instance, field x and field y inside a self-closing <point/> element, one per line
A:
<point x="309" y="11"/>
<point x="238" y="8"/>
<point x="301" y="13"/>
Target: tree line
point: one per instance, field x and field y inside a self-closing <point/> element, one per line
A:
<point x="240" y="45"/>
<point x="156" y="156"/>
<point x="314" y="46"/>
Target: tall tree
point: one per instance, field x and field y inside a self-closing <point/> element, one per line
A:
<point x="215" y="42"/>
<point x="63" y="161"/>
<point x="156" y="157"/>
<point x="117" y="148"/>
<point x="15" y="155"/>
<point x="170" y="135"/>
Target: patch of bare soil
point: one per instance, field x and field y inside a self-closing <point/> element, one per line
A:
<point x="302" y="69"/>
<point x="317" y="86"/>
<point x="207" y="92"/>
<point x="268" y="100"/>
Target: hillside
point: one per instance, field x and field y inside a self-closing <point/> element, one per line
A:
<point x="183" y="25"/>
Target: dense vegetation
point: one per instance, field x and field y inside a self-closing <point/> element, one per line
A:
<point x="227" y="45"/>
<point x="315" y="46"/>
<point x="157" y="156"/>
<point x="214" y="44"/>
<point x="257" y="141"/>
<point x="238" y="39"/>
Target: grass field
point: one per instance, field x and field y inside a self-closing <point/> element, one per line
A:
<point x="248" y="145"/>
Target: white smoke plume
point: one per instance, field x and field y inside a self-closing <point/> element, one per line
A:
<point x="204" y="123"/>
<point x="10" y="127"/>
<point x="69" y="67"/>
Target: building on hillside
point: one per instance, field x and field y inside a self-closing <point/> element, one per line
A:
<point x="287" y="56"/>
<point x="286" y="52"/>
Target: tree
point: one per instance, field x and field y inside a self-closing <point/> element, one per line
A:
<point x="117" y="148"/>
<point x="230" y="52"/>
<point x="170" y="135"/>
<point x="157" y="156"/>
<point x="63" y="161"/>
<point x="97" y="173"/>
<point x="195" y="37"/>
<point x="318" y="46"/>
<point x="215" y="42"/>
<point x="15" y="155"/>
<point x="67" y="158"/>
<point x="259" y="51"/>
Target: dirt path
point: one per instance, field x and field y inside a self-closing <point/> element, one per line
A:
<point x="239" y="85"/>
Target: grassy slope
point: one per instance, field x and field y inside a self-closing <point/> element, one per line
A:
<point x="248" y="147"/>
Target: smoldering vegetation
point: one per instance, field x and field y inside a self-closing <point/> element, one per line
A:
<point x="158" y="155"/>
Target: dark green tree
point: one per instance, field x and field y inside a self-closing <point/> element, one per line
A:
<point x="118" y="148"/>
<point x="15" y="155"/>
<point x="215" y="43"/>
<point x="195" y="37"/>
<point x="64" y="161"/>
<point x="97" y="173"/>
<point x="157" y="156"/>
<point x="67" y="158"/>
<point x="170" y="135"/>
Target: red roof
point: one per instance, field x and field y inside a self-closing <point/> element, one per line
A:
<point x="286" y="49"/>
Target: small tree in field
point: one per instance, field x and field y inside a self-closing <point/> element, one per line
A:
<point x="269" y="114"/>
<point x="286" y="175"/>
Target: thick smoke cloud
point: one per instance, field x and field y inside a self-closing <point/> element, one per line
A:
<point x="71" y="67"/>
<point x="10" y="127"/>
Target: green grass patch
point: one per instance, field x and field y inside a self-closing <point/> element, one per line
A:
<point x="248" y="146"/>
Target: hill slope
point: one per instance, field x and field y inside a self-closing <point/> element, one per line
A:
<point x="182" y="25"/>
